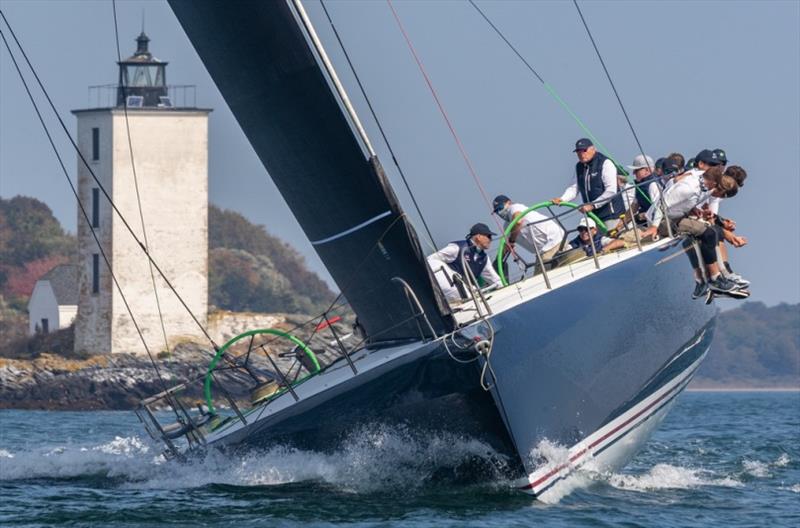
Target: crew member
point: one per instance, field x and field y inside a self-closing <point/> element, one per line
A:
<point x="535" y="232"/>
<point x="591" y="241"/>
<point x="448" y="263"/>
<point x="681" y="201"/>
<point x="648" y="188"/>
<point x="596" y="183"/>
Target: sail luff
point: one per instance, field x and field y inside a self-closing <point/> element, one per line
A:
<point x="312" y="33"/>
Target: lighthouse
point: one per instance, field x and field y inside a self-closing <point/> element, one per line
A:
<point x="147" y="147"/>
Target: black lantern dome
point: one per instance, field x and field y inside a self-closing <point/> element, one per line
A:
<point x="142" y="78"/>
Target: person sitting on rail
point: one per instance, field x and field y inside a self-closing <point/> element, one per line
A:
<point x="678" y="160"/>
<point x="674" y="165"/>
<point x="725" y="226"/>
<point x="538" y="234"/>
<point x="448" y="263"/>
<point x="596" y="183"/>
<point x="592" y="241"/>
<point x="681" y="202"/>
<point x="647" y="189"/>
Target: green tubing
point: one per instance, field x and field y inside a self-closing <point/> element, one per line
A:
<point x="221" y="351"/>
<point x="513" y="223"/>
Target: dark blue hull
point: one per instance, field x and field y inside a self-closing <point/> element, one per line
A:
<point x="567" y="364"/>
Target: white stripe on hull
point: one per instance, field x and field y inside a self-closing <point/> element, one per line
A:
<point x="606" y="448"/>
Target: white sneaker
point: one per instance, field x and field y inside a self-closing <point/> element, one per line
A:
<point x="738" y="279"/>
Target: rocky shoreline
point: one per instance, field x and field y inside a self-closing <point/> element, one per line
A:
<point x="50" y="381"/>
<point x="118" y="382"/>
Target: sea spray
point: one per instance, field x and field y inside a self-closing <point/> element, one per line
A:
<point x="373" y="459"/>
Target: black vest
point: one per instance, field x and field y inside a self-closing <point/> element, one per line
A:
<point x="592" y="173"/>
<point x="475" y="258"/>
<point x="643" y="192"/>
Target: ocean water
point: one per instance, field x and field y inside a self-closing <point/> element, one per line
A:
<point x="728" y="459"/>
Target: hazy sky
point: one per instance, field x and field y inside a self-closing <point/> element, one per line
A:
<point x="692" y="75"/>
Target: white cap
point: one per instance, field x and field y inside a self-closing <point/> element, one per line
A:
<point x="642" y="162"/>
<point x="587" y="222"/>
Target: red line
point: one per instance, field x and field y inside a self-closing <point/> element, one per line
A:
<point x="441" y="109"/>
<point x="596" y="442"/>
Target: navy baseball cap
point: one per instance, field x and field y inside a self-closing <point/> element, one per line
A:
<point x="708" y="156"/>
<point x="583" y="144"/>
<point x="480" y="229"/>
<point x="499" y="202"/>
<point x="721" y="156"/>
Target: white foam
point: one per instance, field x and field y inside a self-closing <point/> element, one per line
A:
<point x="783" y="460"/>
<point x="548" y="456"/>
<point x="665" y="476"/>
<point x="373" y="459"/>
<point x="6" y="454"/>
<point x="795" y="488"/>
<point x="756" y="468"/>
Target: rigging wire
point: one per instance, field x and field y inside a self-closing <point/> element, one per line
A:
<point x="123" y="87"/>
<point x="610" y="80"/>
<point x="547" y="86"/>
<point x="377" y="121"/>
<point x="84" y="213"/>
<point x="101" y="187"/>
<point x="442" y="110"/>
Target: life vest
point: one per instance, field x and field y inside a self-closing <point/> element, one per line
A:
<point x="598" y="244"/>
<point x="590" y="186"/>
<point x="475" y="258"/>
<point x="643" y="193"/>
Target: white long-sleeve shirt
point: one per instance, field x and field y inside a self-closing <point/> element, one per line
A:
<point x="449" y="254"/>
<point x="536" y="229"/>
<point x="609" y="176"/>
<point x="679" y="199"/>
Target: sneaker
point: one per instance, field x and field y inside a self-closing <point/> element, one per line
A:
<point x="700" y="289"/>
<point x="722" y="285"/>
<point x="738" y="279"/>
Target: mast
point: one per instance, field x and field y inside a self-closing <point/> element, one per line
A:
<point x="298" y="4"/>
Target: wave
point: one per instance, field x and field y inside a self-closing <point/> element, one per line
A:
<point x="375" y="459"/>
<point x="666" y="476"/>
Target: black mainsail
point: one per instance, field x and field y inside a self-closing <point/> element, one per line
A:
<point x="260" y="60"/>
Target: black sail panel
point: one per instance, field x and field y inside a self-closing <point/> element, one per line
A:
<point x="259" y="59"/>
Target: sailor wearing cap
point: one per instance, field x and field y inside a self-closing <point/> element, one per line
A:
<point x="706" y="159"/>
<point x="591" y="240"/>
<point x="596" y="183"/>
<point x="535" y="232"/>
<point x="648" y="188"/>
<point x="448" y="263"/>
<point x="721" y="156"/>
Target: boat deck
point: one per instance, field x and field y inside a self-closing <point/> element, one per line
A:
<point x="532" y="287"/>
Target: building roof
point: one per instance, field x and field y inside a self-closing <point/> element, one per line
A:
<point x="64" y="281"/>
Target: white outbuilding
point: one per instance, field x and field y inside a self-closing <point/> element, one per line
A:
<point x="54" y="301"/>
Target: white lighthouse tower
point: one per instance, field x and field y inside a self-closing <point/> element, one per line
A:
<point x="168" y="150"/>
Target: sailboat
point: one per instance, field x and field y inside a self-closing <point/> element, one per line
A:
<point x="541" y="360"/>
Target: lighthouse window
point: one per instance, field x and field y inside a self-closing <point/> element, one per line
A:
<point x="144" y="76"/>
<point x="95" y="273"/>
<point x="95" y="207"/>
<point x="95" y="144"/>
